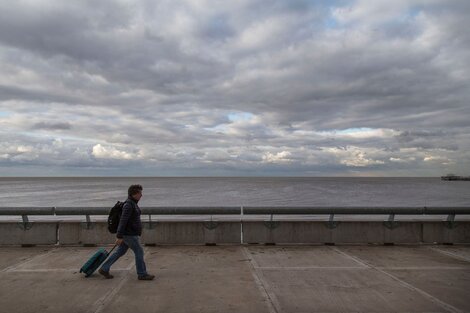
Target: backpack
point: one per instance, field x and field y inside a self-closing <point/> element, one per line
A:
<point x="114" y="217"/>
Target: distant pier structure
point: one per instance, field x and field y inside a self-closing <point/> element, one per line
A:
<point x="455" y="177"/>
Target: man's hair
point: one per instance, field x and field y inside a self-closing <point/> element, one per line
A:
<point x="133" y="189"/>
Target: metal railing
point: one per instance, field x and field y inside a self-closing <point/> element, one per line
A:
<point x="451" y="212"/>
<point x="237" y="210"/>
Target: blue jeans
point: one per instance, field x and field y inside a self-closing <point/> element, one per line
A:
<point x="128" y="242"/>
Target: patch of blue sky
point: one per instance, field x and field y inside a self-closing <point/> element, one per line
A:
<point x="49" y="136"/>
<point x="348" y="131"/>
<point x="219" y="128"/>
<point x="232" y="117"/>
<point x="353" y="130"/>
<point x="4" y="113"/>
<point x="413" y="12"/>
<point x="405" y="17"/>
<point x="240" y="116"/>
<point x="331" y="22"/>
<point x="218" y="27"/>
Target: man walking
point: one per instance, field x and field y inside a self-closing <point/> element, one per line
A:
<point x="128" y="233"/>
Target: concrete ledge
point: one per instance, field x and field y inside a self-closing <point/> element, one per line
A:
<point x="438" y="232"/>
<point x="230" y="232"/>
<point x="203" y="232"/>
<point x="72" y="233"/>
<point x="319" y="232"/>
<point x="206" y="232"/>
<point x="33" y="233"/>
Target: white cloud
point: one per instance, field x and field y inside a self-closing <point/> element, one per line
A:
<point x="360" y="132"/>
<point x="372" y="12"/>
<point x="279" y="157"/>
<point x="356" y="156"/>
<point x="100" y="151"/>
<point x="437" y="159"/>
<point x="263" y="32"/>
<point x="23" y="149"/>
<point x="402" y="160"/>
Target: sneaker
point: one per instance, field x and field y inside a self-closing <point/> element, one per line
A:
<point x="146" y="277"/>
<point x="105" y="274"/>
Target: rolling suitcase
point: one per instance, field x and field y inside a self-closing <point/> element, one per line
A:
<point x="95" y="261"/>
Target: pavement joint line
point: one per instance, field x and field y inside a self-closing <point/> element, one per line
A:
<point x="423" y="268"/>
<point x="310" y="267"/>
<point x="252" y="259"/>
<point x="448" y="253"/>
<point x="102" y="302"/>
<point x="44" y="270"/>
<point x="357" y="260"/>
<point x="130" y="266"/>
<point x="271" y="299"/>
<point x="444" y="305"/>
<point x="362" y="267"/>
<point x="28" y="260"/>
<point x="40" y="270"/>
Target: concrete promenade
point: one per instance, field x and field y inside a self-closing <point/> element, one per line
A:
<point x="242" y="278"/>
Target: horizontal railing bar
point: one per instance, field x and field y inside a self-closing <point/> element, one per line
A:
<point x="357" y="210"/>
<point x="151" y="210"/>
<point x="26" y="211"/>
<point x="232" y="210"/>
<point x="451" y="210"/>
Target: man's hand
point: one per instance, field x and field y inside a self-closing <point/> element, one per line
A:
<point x="119" y="241"/>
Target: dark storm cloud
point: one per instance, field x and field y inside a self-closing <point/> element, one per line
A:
<point x="70" y="28"/>
<point x="269" y="87"/>
<point x="52" y="126"/>
<point x="18" y="93"/>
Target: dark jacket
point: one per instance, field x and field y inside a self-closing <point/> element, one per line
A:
<point x="130" y="224"/>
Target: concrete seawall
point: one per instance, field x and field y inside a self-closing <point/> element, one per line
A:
<point x="241" y="232"/>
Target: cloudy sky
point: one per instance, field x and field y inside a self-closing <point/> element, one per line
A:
<point x="211" y="88"/>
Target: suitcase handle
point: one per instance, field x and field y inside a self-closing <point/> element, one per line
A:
<point x="112" y="249"/>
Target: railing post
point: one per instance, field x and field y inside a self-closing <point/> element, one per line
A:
<point x="150" y="225"/>
<point x="450" y="222"/>
<point x="331" y="223"/>
<point x="25" y="225"/>
<point x="271" y="224"/>
<point x="211" y="224"/>
<point x="241" y="224"/>
<point x="88" y="223"/>
<point x="391" y="223"/>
